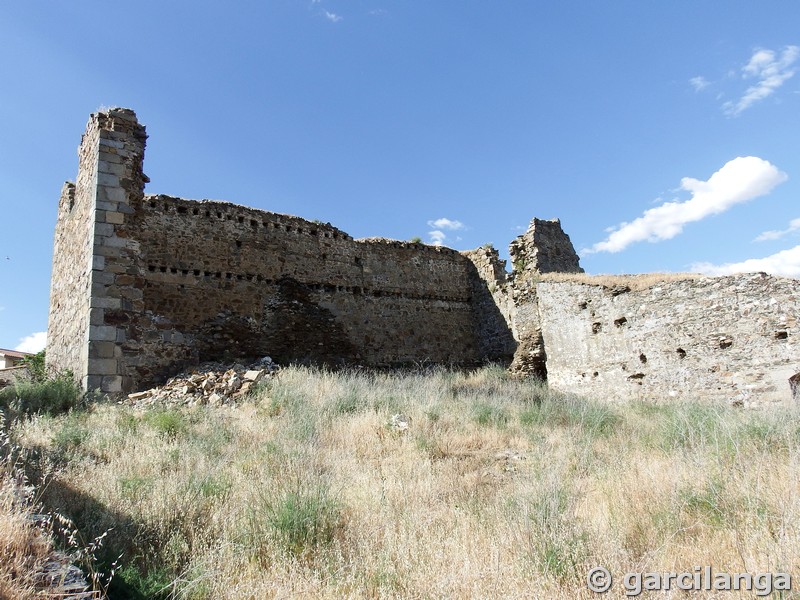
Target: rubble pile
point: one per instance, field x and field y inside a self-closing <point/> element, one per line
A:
<point x="214" y="384"/>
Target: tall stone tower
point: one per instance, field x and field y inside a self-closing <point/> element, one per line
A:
<point x="92" y="254"/>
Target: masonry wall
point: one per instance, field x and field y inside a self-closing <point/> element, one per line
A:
<point x="218" y="279"/>
<point x="733" y="339"/>
<point x="71" y="281"/>
<point x="145" y="285"/>
<point x="94" y="255"/>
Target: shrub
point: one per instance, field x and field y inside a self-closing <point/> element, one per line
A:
<point x="570" y="411"/>
<point x="52" y="396"/>
<point x="36" y="366"/>
<point x="489" y="415"/>
<point x="169" y="423"/>
<point x="299" y="519"/>
<point x="72" y="433"/>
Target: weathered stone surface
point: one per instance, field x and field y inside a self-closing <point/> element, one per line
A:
<point x="734" y="339"/>
<point x="144" y="286"/>
<point x="544" y="248"/>
<point x="12" y="375"/>
<point x="209" y="279"/>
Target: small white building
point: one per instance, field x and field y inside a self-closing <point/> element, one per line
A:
<point x="11" y="358"/>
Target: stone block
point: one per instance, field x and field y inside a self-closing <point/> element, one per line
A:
<point x="114" y="242"/>
<point x="111" y="143"/>
<point x="96" y="316"/>
<point x="91" y="382"/>
<point x="112" y="157"/>
<point x="103" y="229"/>
<point x="111" y="384"/>
<point x="102" y="366"/>
<point x="112" y="168"/>
<point x="100" y="290"/>
<point x="107" y="179"/>
<point x="115" y="217"/>
<point x="112" y="303"/>
<point x="103" y="277"/>
<point x="107" y="251"/>
<point x="102" y="333"/>
<point x="111" y="194"/>
<point x="102" y="350"/>
<point x="104" y="205"/>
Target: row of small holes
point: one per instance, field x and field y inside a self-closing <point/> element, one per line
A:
<point x="253" y="222"/>
<point x="355" y="290"/>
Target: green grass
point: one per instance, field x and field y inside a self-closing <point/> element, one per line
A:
<point x="299" y="519"/>
<point x="551" y="409"/>
<point x="168" y="422"/>
<point x="52" y="397"/>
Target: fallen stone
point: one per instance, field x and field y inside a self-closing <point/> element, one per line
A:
<point x="254" y="376"/>
<point x="210" y="383"/>
<point x="400" y="423"/>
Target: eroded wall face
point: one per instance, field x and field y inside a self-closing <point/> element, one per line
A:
<point x="733" y="339"/>
<point x="71" y="281"/>
<point x="93" y="256"/>
<point x="219" y="280"/>
<point x="492" y="305"/>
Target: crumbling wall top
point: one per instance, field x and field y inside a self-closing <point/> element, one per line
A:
<point x="544" y="248"/>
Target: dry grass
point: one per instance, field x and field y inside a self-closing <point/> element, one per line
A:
<point x="499" y="488"/>
<point x="25" y="548"/>
<point x="636" y="283"/>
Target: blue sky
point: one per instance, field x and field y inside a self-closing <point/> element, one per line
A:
<point x="664" y="135"/>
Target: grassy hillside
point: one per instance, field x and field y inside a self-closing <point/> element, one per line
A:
<point x="496" y="488"/>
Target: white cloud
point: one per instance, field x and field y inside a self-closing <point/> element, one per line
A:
<point x="777" y="234"/>
<point x="739" y="180"/>
<point x="332" y="17"/>
<point x="699" y="83"/>
<point x="32" y="343"/>
<point x="771" y="72"/>
<point x="445" y="223"/>
<point x="785" y="263"/>
<point x="437" y="237"/>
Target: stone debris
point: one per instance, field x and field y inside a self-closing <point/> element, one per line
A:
<point x="400" y="423"/>
<point x="508" y="459"/>
<point x="214" y="384"/>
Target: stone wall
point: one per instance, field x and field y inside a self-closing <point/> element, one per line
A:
<point x="11" y="375"/>
<point x="71" y="282"/>
<point x="218" y="278"/>
<point x="166" y="282"/>
<point x="543" y="248"/>
<point x="145" y="285"/>
<point x="733" y="339"/>
<point x="492" y="305"/>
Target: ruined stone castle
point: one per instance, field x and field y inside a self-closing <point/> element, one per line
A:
<point x="145" y="285"/>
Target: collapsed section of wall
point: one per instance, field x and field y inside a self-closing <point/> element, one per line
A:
<point x="734" y="339"/>
<point x="492" y="305"/>
<point x="543" y="248"/>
